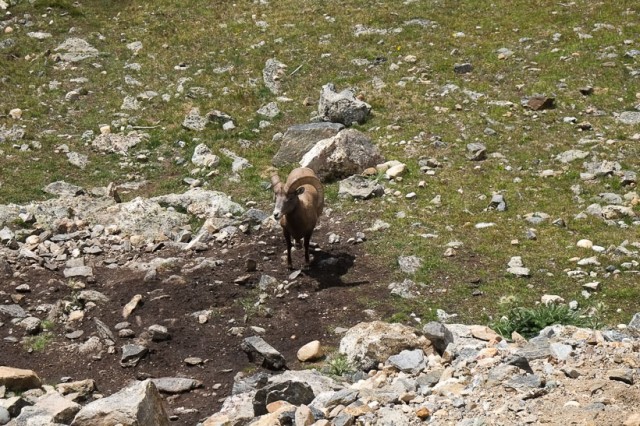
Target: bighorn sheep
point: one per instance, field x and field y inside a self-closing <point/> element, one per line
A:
<point x="298" y="205"/>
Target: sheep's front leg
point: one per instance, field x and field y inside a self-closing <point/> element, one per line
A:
<point x="307" y="240"/>
<point x="287" y="238"/>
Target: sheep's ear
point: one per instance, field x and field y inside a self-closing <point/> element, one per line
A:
<point x="300" y="190"/>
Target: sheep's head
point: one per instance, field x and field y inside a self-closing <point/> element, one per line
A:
<point x="286" y="195"/>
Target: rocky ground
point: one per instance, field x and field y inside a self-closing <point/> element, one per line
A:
<point x="208" y="298"/>
<point x="118" y="308"/>
<point x="213" y="320"/>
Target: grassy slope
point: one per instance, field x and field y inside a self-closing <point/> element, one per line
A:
<point x="319" y="37"/>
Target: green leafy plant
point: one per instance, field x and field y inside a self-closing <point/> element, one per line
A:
<point x="38" y="343"/>
<point x="529" y="321"/>
<point x="339" y="365"/>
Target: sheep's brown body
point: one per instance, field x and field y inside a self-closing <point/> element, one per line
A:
<point x="298" y="205"/>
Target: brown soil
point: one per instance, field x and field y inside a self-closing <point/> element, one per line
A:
<point x="321" y="299"/>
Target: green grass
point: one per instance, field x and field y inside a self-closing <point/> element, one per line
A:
<point x="38" y="343"/>
<point x="320" y="37"/>
<point x="529" y="321"/>
<point x="338" y="365"/>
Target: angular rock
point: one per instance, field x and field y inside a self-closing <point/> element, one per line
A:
<point x="342" y="107"/>
<point x="14" y="134"/>
<point x="52" y="407"/>
<point x="13" y="311"/>
<point x="629" y="117"/>
<point x="272" y="74"/>
<point x="300" y="138"/>
<point x="131" y="305"/>
<point x="81" y="389"/>
<point x="78" y="271"/>
<point x="137" y="405"/>
<point x="342" y="397"/>
<point x="634" y="324"/>
<point x="159" y="333"/>
<point x="409" y="361"/>
<point x="31" y="325"/>
<point x="175" y="385"/>
<point x="260" y="352"/>
<point x="406" y="289"/>
<point x="360" y="188"/>
<point x="294" y="392"/>
<point x="16" y="379"/>
<point x="204" y="157"/>
<point x="76" y="50"/>
<point x="13" y="405"/>
<point x="349" y="152"/>
<point x="117" y="142"/>
<point x="572" y="155"/>
<point x="409" y="264"/>
<point x="132" y="354"/>
<point x="92" y="296"/>
<point x="540" y="102"/>
<point x="63" y="189"/>
<point x="439" y="335"/>
<point x="194" y="121"/>
<point x="369" y="343"/>
<point x="624" y="375"/>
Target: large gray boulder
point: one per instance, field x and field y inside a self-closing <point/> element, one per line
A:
<point x="136" y="405"/>
<point x="342" y="107"/>
<point x="141" y="216"/>
<point x="347" y="153"/>
<point x="300" y="138"/>
<point x="201" y="203"/>
<point x="369" y="343"/>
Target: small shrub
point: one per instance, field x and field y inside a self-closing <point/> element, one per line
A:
<point x="529" y="321"/>
<point x="38" y="343"/>
<point x="339" y="365"/>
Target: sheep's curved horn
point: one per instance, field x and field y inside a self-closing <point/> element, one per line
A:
<point x="306" y="180"/>
<point x="275" y="179"/>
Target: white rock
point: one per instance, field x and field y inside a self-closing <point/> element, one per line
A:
<point x="15" y="113"/>
<point x="516" y="262"/>
<point x="519" y="271"/>
<point x="310" y="352"/>
<point x="585" y="244"/>
<point x="589" y="261"/>
<point x="548" y="299"/>
<point x="483" y="225"/>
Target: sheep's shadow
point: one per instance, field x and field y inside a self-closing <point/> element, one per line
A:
<point x="329" y="268"/>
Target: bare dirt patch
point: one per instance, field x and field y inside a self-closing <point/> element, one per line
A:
<point x="332" y="293"/>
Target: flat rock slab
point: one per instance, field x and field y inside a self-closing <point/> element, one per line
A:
<point x="78" y="271"/>
<point x="176" y="384"/>
<point x="263" y="353"/>
<point x="14" y="311"/>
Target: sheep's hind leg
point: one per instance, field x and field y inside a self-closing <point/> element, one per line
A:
<point x="307" y="240"/>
